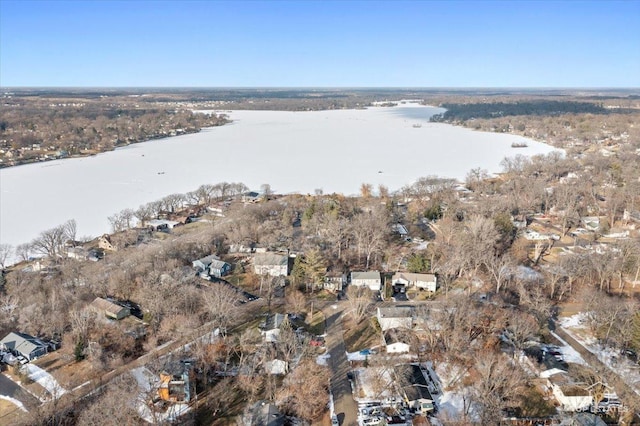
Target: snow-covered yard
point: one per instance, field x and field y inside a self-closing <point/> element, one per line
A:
<point x="45" y="380"/>
<point x="374" y="383"/>
<point x="147" y="384"/>
<point x="451" y="400"/>
<point x="576" y="327"/>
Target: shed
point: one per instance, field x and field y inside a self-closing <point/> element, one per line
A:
<point x="111" y="310"/>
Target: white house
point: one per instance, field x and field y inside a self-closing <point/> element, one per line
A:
<point x="397" y="341"/>
<point x="369" y="279"/>
<point x="424" y="281"/>
<point x="272" y="264"/>
<point x="570" y="395"/>
<point x="395" y="317"/>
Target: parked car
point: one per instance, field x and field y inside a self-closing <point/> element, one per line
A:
<point x="317" y="341"/>
<point x="631" y="354"/>
<point x="334" y="420"/>
<point x="22" y="360"/>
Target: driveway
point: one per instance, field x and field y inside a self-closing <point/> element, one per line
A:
<point x="345" y="407"/>
<point x="11" y="389"/>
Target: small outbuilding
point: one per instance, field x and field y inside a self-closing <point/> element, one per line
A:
<point x="110" y="309"/>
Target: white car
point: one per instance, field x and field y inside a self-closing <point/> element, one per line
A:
<point x="334" y="421"/>
<point x="22" y="360"/>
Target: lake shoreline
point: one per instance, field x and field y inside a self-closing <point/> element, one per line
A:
<point x="334" y="151"/>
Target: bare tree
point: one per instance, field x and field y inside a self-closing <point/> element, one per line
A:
<point x="6" y="251"/>
<point x="359" y="301"/>
<point x="370" y="232"/>
<point x="305" y="391"/>
<point x="144" y="213"/>
<point x="122" y="220"/>
<point x="52" y="241"/>
<point x="23" y="251"/>
<point x="497" y="386"/>
<point x="221" y="303"/>
<point x="296" y="301"/>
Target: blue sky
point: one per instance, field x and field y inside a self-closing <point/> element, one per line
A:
<point x="320" y="44"/>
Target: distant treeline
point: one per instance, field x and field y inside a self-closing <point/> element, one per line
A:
<point x="463" y="112"/>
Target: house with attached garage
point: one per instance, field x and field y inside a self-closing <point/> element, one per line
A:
<point x="369" y="279"/>
<point x="427" y="282"/>
<point x="28" y="346"/>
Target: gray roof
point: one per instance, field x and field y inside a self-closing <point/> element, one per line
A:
<point x="413" y="277"/>
<point x="369" y="275"/>
<point x="208" y="260"/>
<point x="22" y="342"/>
<point x="270" y="259"/>
<point x="217" y="264"/>
<point x="396" y="312"/>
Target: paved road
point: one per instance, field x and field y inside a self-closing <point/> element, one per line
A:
<point x="12" y="390"/>
<point x="345" y="407"/>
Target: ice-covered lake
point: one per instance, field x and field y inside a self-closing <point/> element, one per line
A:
<point x="335" y="151"/>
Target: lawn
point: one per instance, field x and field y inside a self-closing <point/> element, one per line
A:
<point x="361" y="335"/>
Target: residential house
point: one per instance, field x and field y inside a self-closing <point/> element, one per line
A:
<point x="104" y="242"/>
<point x="395" y="317"/>
<point x="28" y="346"/>
<point x="161" y="225"/>
<point x="400" y="229"/>
<point x="397" y="341"/>
<point x="78" y="253"/>
<point x="211" y="266"/>
<point x="371" y="279"/>
<point x="427" y="282"/>
<point x="591" y="223"/>
<point x="272" y="264"/>
<point x="570" y="395"/>
<point x="176" y="382"/>
<point x="416" y="393"/>
<point x="335" y="281"/>
<point x="270" y="329"/>
<point x="110" y="309"/>
<point x="252" y="197"/>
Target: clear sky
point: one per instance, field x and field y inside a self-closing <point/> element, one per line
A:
<point x="320" y="44"/>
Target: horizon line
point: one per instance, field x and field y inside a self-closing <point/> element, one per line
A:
<point x="337" y="87"/>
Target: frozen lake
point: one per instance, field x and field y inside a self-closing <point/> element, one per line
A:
<point x="335" y="151"/>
